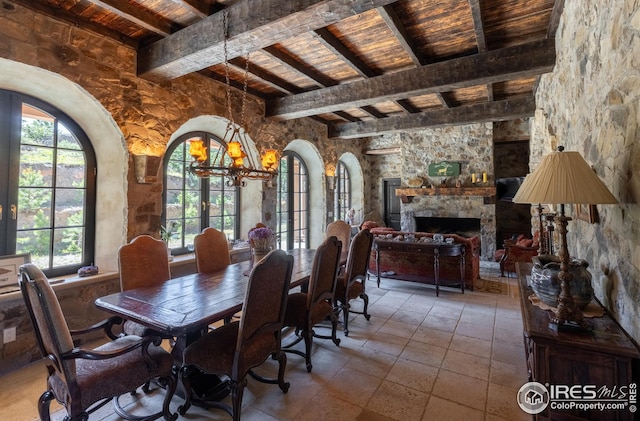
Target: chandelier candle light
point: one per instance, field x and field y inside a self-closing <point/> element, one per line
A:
<point x="236" y="143"/>
<point x="564" y="178"/>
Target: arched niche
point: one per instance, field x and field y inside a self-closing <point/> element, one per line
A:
<point x="350" y="161"/>
<point x="317" y="188"/>
<point x="107" y="141"/>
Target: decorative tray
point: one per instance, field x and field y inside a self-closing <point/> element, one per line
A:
<point x="415" y="182"/>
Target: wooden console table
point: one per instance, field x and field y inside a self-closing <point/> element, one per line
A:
<point x="435" y="250"/>
<point x="605" y="356"/>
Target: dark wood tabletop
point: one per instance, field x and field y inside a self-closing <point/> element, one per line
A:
<point x="187" y="304"/>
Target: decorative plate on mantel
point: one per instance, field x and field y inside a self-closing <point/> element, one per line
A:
<point x="415" y="182"/>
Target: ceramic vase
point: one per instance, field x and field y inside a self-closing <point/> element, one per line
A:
<point x="258" y="254"/>
<point x="546" y="285"/>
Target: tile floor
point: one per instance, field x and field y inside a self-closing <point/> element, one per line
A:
<point x="455" y="357"/>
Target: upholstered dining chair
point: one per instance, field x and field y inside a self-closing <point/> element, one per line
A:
<point x="143" y="262"/>
<point x="307" y="309"/>
<point x="235" y="348"/>
<point x="342" y="231"/>
<point x="212" y="250"/>
<point x="351" y="284"/>
<point x="83" y="380"/>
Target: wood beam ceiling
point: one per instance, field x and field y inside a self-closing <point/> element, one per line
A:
<point x="508" y="109"/>
<point x="525" y="60"/>
<point x="252" y="26"/>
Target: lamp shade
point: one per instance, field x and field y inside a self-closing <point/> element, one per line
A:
<point x="563" y="178"/>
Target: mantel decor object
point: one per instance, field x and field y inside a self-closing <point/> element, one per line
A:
<point x="564" y="178"/>
<point x="444" y="169"/>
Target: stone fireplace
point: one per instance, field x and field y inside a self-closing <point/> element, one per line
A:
<point x="465" y="215"/>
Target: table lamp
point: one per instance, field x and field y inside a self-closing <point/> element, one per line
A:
<point x="564" y="178"/>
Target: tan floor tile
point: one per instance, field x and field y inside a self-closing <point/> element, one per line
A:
<point x="465" y="390"/>
<point x="398" y="402"/>
<point x="439" y="409"/>
<point x="475" y="330"/>
<point x="372" y="362"/>
<point x="424" y="353"/>
<point x="447" y="324"/>
<point x="468" y="364"/>
<point x="411" y="317"/>
<point x="413" y="374"/>
<point x="397" y="328"/>
<point x="471" y="345"/>
<point x="508" y="353"/>
<point x="383" y="342"/>
<point x="353" y="386"/>
<point x="508" y="375"/>
<point x="432" y="336"/>
<point x="508" y="336"/>
<point x="324" y="406"/>
<point x="502" y="402"/>
<point x="443" y="309"/>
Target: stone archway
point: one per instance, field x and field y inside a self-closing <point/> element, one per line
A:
<point x="107" y="141"/>
<point x="317" y="188"/>
<point x="356" y="176"/>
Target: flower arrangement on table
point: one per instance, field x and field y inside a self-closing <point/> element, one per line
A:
<point x="261" y="238"/>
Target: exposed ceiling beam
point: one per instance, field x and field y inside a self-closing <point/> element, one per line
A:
<point x="508" y="109"/>
<point x="334" y="45"/>
<point x="292" y="64"/>
<point x="478" y="26"/>
<point x="391" y="18"/>
<point x="74" y="20"/>
<point x="137" y="15"/>
<point x="525" y="60"/>
<point x="554" y="20"/>
<point x="200" y="8"/>
<point x="252" y="25"/>
<point x="320" y="79"/>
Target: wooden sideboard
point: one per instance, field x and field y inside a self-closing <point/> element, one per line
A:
<point x="433" y="251"/>
<point x="605" y="356"/>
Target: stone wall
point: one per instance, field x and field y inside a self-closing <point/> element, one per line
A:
<point x="470" y="145"/>
<point x="590" y="104"/>
<point x="147" y="113"/>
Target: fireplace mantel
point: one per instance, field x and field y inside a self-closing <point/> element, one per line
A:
<point x="407" y="194"/>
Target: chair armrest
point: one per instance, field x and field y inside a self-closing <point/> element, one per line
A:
<point x="106" y="325"/>
<point x="90" y="354"/>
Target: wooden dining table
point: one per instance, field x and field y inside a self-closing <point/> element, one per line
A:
<point x="184" y="307"/>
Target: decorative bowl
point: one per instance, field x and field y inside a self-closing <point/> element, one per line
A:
<point x="546" y="285"/>
<point x="415" y="182"/>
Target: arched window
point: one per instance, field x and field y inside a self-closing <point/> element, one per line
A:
<point x="47" y="186"/>
<point x="192" y="203"/>
<point x="292" y="207"/>
<point x="342" y="196"/>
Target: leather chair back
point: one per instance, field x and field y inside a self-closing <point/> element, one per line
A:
<point x="212" y="251"/>
<point x="143" y="262"/>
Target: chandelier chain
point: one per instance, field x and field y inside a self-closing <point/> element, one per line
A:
<point x="225" y="26"/>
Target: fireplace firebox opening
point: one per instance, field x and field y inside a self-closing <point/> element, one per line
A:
<point x="467" y="227"/>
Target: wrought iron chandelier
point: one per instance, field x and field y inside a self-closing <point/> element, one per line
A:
<point x="232" y="164"/>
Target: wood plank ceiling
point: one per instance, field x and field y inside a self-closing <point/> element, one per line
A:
<point x="363" y="67"/>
